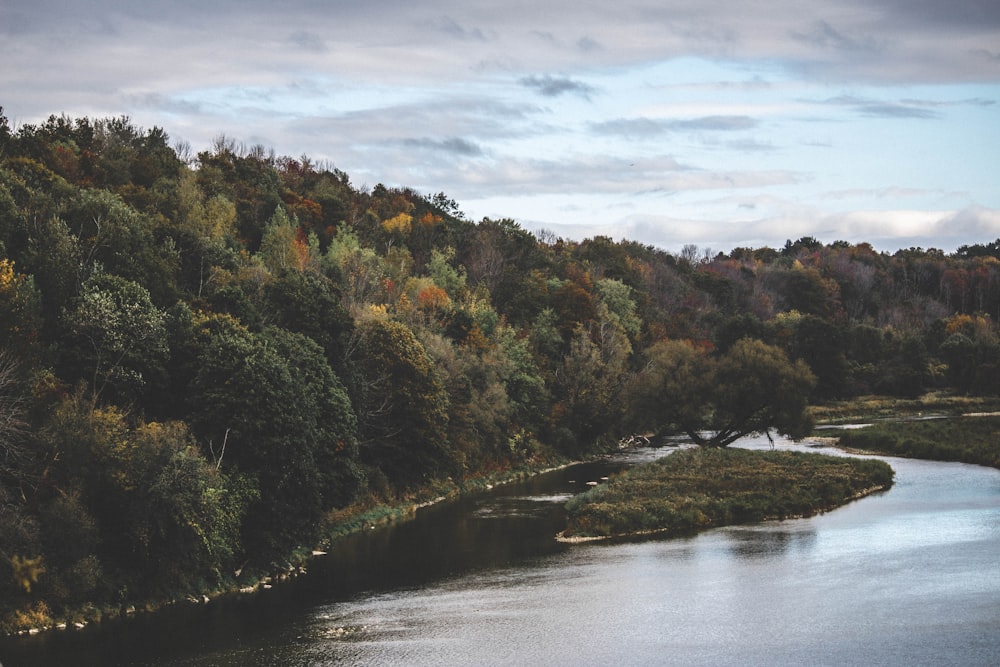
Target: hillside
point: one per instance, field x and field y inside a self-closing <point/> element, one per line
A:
<point x="204" y="357"/>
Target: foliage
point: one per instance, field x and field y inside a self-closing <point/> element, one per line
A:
<point x="404" y="405"/>
<point x="268" y="407"/>
<point x="115" y="335"/>
<point x="965" y="439"/>
<point x="694" y="489"/>
<point x="750" y="388"/>
<point x="249" y="343"/>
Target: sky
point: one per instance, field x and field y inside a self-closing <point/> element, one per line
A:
<point x="668" y="122"/>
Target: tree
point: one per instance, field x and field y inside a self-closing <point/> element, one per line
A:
<point x="13" y="422"/>
<point x="122" y="241"/>
<point x="116" y="335"/>
<point x="752" y="388"/>
<point x="404" y="405"/>
<point x="142" y="499"/>
<point x="20" y="311"/>
<point x="268" y="407"/>
<point x="281" y="247"/>
<point x="310" y="304"/>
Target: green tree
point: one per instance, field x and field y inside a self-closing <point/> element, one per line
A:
<point x="152" y="509"/>
<point x="588" y="385"/>
<point x="309" y="303"/>
<point x="752" y="388"/>
<point x="267" y="406"/>
<point x="115" y="335"/>
<point x="122" y="241"/>
<point x="618" y="297"/>
<point x="404" y="405"/>
<point x="281" y="247"/>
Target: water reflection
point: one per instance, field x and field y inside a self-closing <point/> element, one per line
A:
<point x="767" y="542"/>
<point x="539" y="506"/>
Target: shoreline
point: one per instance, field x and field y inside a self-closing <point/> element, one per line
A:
<point x="298" y="560"/>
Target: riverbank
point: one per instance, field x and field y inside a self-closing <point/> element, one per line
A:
<point x="875" y="408"/>
<point x="700" y="488"/>
<point x="369" y="515"/>
<point x="971" y="438"/>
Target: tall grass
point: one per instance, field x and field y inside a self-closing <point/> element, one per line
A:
<point x="862" y="408"/>
<point x="699" y="488"/>
<point x="965" y="439"/>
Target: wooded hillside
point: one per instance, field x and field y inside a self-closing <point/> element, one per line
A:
<point x="202" y="356"/>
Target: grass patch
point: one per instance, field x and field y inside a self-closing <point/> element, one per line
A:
<point x="966" y="439"/>
<point x="864" y="408"/>
<point x="700" y="488"/>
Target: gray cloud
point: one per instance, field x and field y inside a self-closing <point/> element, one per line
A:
<point x="919" y="109"/>
<point x="642" y="128"/>
<point x="965" y="15"/>
<point x="552" y="86"/>
<point x="308" y="41"/>
<point x="164" y="104"/>
<point x="455" y="145"/>
<point x="420" y="94"/>
<point x="452" y="28"/>
<point x="825" y="36"/>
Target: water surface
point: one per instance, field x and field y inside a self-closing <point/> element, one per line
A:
<point x="911" y="576"/>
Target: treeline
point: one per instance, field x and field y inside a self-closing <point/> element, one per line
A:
<point x="203" y="356"/>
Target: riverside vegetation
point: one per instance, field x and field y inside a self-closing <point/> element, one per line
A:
<point x="699" y="488"/>
<point x="969" y="439"/>
<point x="210" y="363"/>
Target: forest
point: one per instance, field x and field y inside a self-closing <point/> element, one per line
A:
<point x="205" y="357"/>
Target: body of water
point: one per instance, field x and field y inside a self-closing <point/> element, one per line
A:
<point x="907" y="577"/>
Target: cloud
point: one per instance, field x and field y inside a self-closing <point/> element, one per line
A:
<point x="454" y="145"/>
<point x="452" y="28"/>
<point x="551" y="86"/>
<point x="688" y="102"/>
<point x="165" y="104"/>
<point x="885" y="230"/>
<point x="911" y="108"/>
<point x="308" y="41"/>
<point x="642" y="128"/>
<point x="586" y="175"/>
<point x="896" y="111"/>
<point x="823" y="35"/>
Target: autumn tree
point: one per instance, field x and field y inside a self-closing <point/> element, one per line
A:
<point x="283" y="246"/>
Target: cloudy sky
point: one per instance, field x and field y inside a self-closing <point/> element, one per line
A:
<point x="671" y="122"/>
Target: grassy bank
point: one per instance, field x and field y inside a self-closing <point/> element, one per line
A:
<point x="700" y="488"/>
<point x="973" y="439"/>
<point x="866" y="408"/>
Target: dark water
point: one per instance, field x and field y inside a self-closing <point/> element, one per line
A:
<point x="909" y="577"/>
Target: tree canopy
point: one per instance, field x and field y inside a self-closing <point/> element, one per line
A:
<point x="751" y="388"/>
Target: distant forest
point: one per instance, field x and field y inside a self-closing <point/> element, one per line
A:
<point x="205" y="357"/>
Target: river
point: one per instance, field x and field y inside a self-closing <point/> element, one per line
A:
<point x="907" y="577"/>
